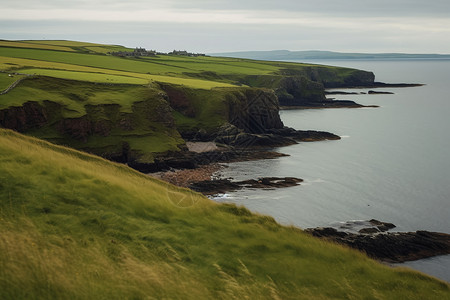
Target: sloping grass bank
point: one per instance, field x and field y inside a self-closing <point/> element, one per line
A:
<point x="75" y="226"/>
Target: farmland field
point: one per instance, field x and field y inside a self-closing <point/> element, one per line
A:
<point x="6" y="80"/>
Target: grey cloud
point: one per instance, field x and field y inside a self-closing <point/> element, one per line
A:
<point x="226" y="37"/>
<point x="329" y="7"/>
<point x="343" y="7"/>
<point x="332" y="25"/>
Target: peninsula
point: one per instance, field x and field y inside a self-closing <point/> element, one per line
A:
<point x="326" y="55"/>
<point x="142" y="109"/>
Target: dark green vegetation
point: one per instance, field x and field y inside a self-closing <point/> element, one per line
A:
<point x="294" y="55"/>
<point x="137" y="108"/>
<point x="75" y="226"/>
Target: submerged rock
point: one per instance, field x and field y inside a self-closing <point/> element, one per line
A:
<point x="329" y="103"/>
<point x="379" y="93"/>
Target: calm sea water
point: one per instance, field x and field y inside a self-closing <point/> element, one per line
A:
<point x="392" y="163"/>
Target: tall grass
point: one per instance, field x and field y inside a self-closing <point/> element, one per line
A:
<point x="75" y="226"/>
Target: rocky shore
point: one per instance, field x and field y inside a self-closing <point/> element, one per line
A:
<point x="370" y="92"/>
<point x="330" y="103"/>
<point x="186" y="177"/>
<point x="391" y="247"/>
<point x="230" y="144"/>
<point x="221" y="186"/>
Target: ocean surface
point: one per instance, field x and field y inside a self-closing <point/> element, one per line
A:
<point x="392" y="163"/>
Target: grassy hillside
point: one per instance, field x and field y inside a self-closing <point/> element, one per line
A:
<point x="74" y="226"/>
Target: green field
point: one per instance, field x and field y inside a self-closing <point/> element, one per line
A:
<point x="6" y="80"/>
<point x="34" y="46"/>
<point x="64" y="43"/>
<point x="75" y="226"/>
<point x="71" y="46"/>
<point x="85" y="76"/>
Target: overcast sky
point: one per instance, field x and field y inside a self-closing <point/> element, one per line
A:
<point x="410" y="26"/>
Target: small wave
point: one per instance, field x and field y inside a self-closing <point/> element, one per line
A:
<point x="345" y="136"/>
<point x="221" y="196"/>
<point x="309" y="182"/>
<point x="370" y="107"/>
<point x="318" y="180"/>
<point x="352" y="226"/>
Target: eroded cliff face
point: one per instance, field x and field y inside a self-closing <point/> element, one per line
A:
<point x="306" y="86"/>
<point x="179" y="100"/>
<point x="22" y="118"/>
<point x="299" y="90"/>
<point x="254" y="110"/>
<point x="104" y="129"/>
<point x="356" y="78"/>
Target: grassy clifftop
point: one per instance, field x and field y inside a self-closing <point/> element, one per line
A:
<point x="76" y="94"/>
<point x="75" y="226"/>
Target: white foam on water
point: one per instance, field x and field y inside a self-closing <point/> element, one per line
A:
<point x="312" y="181"/>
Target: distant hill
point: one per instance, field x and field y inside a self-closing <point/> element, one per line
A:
<point x="313" y="54"/>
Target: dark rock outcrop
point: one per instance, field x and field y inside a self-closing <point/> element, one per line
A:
<point x="231" y="135"/>
<point x="379" y="93"/>
<point x="393" y="85"/>
<point x="190" y="160"/>
<point x="79" y="128"/>
<point x="178" y="100"/>
<point x="274" y="137"/>
<point x="304" y="135"/>
<point x="297" y="90"/>
<point x="342" y="93"/>
<point x="393" y="247"/>
<point x="329" y="104"/>
<point x="220" y="186"/>
<point x="356" y="78"/>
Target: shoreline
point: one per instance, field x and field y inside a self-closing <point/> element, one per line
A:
<point x="185" y="177"/>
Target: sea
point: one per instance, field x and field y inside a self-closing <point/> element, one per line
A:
<point x="391" y="164"/>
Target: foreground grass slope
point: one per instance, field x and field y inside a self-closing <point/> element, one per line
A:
<point x="75" y="226"/>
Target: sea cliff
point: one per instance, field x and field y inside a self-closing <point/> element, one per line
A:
<point x="159" y="118"/>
